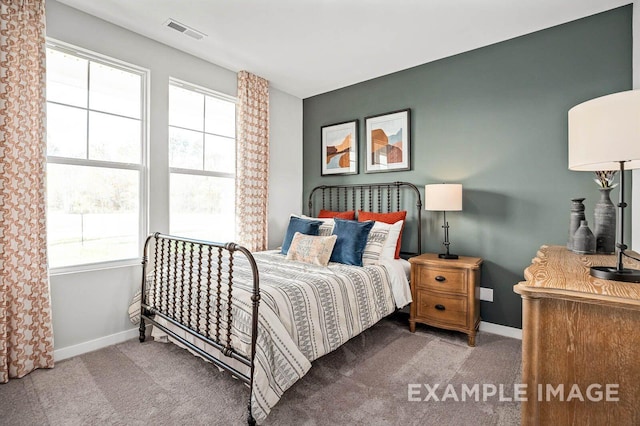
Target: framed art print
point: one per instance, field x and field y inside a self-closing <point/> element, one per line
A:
<point x="388" y="142"/>
<point x="340" y="148"/>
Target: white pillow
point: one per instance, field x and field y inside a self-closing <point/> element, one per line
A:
<point x="326" y="228"/>
<point x="389" y="249"/>
<point x="376" y="242"/>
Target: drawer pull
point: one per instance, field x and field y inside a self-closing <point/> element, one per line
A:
<point x="440" y="307"/>
<point x="440" y="278"/>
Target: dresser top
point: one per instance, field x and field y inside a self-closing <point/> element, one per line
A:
<point x="559" y="273"/>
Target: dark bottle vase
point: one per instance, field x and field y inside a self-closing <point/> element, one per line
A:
<point x="584" y="242"/>
<point x="577" y="215"/>
<point x="605" y="223"/>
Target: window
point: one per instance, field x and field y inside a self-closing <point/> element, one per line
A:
<point x="202" y="162"/>
<point x="95" y="158"/>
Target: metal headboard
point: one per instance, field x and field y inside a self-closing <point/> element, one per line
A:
<point x="373" y="197"/>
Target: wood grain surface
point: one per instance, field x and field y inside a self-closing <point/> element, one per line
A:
<point x="446" y="293"/>
<point x="560" y="273"/>
<point x="579" y="332"/>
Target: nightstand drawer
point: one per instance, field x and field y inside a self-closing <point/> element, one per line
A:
<point x="442" y="280"/>
<point x="451" y="310"/>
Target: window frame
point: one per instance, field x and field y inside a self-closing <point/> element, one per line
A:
<point x="195" y="172"/>
<point x="142" y="167"/>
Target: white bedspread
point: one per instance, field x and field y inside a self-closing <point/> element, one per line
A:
<point x="306" y="311"/>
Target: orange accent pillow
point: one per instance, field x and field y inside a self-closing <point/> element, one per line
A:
<point x="328" y="214"/>
<point x="391" y="218"/>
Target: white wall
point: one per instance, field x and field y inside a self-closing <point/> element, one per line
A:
<point x="285" y="161"/>
<point x="635" y="180"/>
<point x="93" y="305"/>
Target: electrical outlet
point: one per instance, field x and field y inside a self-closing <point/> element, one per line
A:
<point x="486" y="294"/>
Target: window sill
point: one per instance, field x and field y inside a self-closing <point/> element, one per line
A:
<point x="93" y="267"/>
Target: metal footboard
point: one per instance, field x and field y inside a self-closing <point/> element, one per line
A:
<point x="190" y="286"/>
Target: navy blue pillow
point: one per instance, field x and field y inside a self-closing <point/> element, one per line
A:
<point x="303" y="226"/>
<point x="352" y="237"/>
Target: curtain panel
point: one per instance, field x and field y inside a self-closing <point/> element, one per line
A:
<point x="26" y="335"/>
<point x="252" y="161"/>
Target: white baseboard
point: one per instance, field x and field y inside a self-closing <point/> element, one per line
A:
<point x="123" y="336"/>
<point x="92" y="345"/>
<point x="501" y="330"/>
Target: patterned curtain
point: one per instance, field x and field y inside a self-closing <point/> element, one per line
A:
<point x="252" y="161"/>
<point x="26" y="335"/>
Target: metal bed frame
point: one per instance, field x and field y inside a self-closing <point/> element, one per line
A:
<point x="193" y="279"/>
<point x="188" y="280"/>
<point x="359" y="196"/>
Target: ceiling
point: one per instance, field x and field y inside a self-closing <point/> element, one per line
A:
<point x="308" y="47"/>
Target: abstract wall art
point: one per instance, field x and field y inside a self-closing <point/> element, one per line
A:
<point x="388" y="142"/>
<point x="340" y="148"/>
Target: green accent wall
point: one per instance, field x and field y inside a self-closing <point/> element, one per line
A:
<point x="495" y="120"/>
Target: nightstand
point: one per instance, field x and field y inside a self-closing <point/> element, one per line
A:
<point x="446" y="293"/>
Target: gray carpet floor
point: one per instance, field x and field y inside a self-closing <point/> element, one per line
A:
<point x="364" y="382"/>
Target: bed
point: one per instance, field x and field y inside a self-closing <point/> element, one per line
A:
<point x="263" y="317"/>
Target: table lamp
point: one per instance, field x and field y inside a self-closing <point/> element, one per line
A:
<point x="444" y="197"/>
<point x="604" y="134"/>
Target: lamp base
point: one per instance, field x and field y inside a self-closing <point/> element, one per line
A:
<point x="447" y="256"/>
<point x="612" y="273"/>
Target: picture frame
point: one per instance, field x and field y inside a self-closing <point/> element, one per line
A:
<point x="339" y="148"/>
<point x="388" y="142"/>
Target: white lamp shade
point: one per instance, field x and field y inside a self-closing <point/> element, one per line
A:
<point x="605" y="131"/>
<point x="443" y="197"/>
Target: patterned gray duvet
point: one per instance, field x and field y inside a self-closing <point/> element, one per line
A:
<point x="306" y="311"/>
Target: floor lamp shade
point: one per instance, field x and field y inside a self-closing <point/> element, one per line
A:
<point x="604" y="134"/>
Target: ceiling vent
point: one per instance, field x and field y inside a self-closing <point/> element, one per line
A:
<point x="188" y="31"/>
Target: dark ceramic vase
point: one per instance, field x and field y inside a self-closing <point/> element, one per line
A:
<point x="605" y="223"/>
<point x="584" y="242"/>
<point x="577" y="215"/>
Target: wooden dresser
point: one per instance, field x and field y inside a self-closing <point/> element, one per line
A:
<point x="446" y="293"/>
<point x="582" y="333"/>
